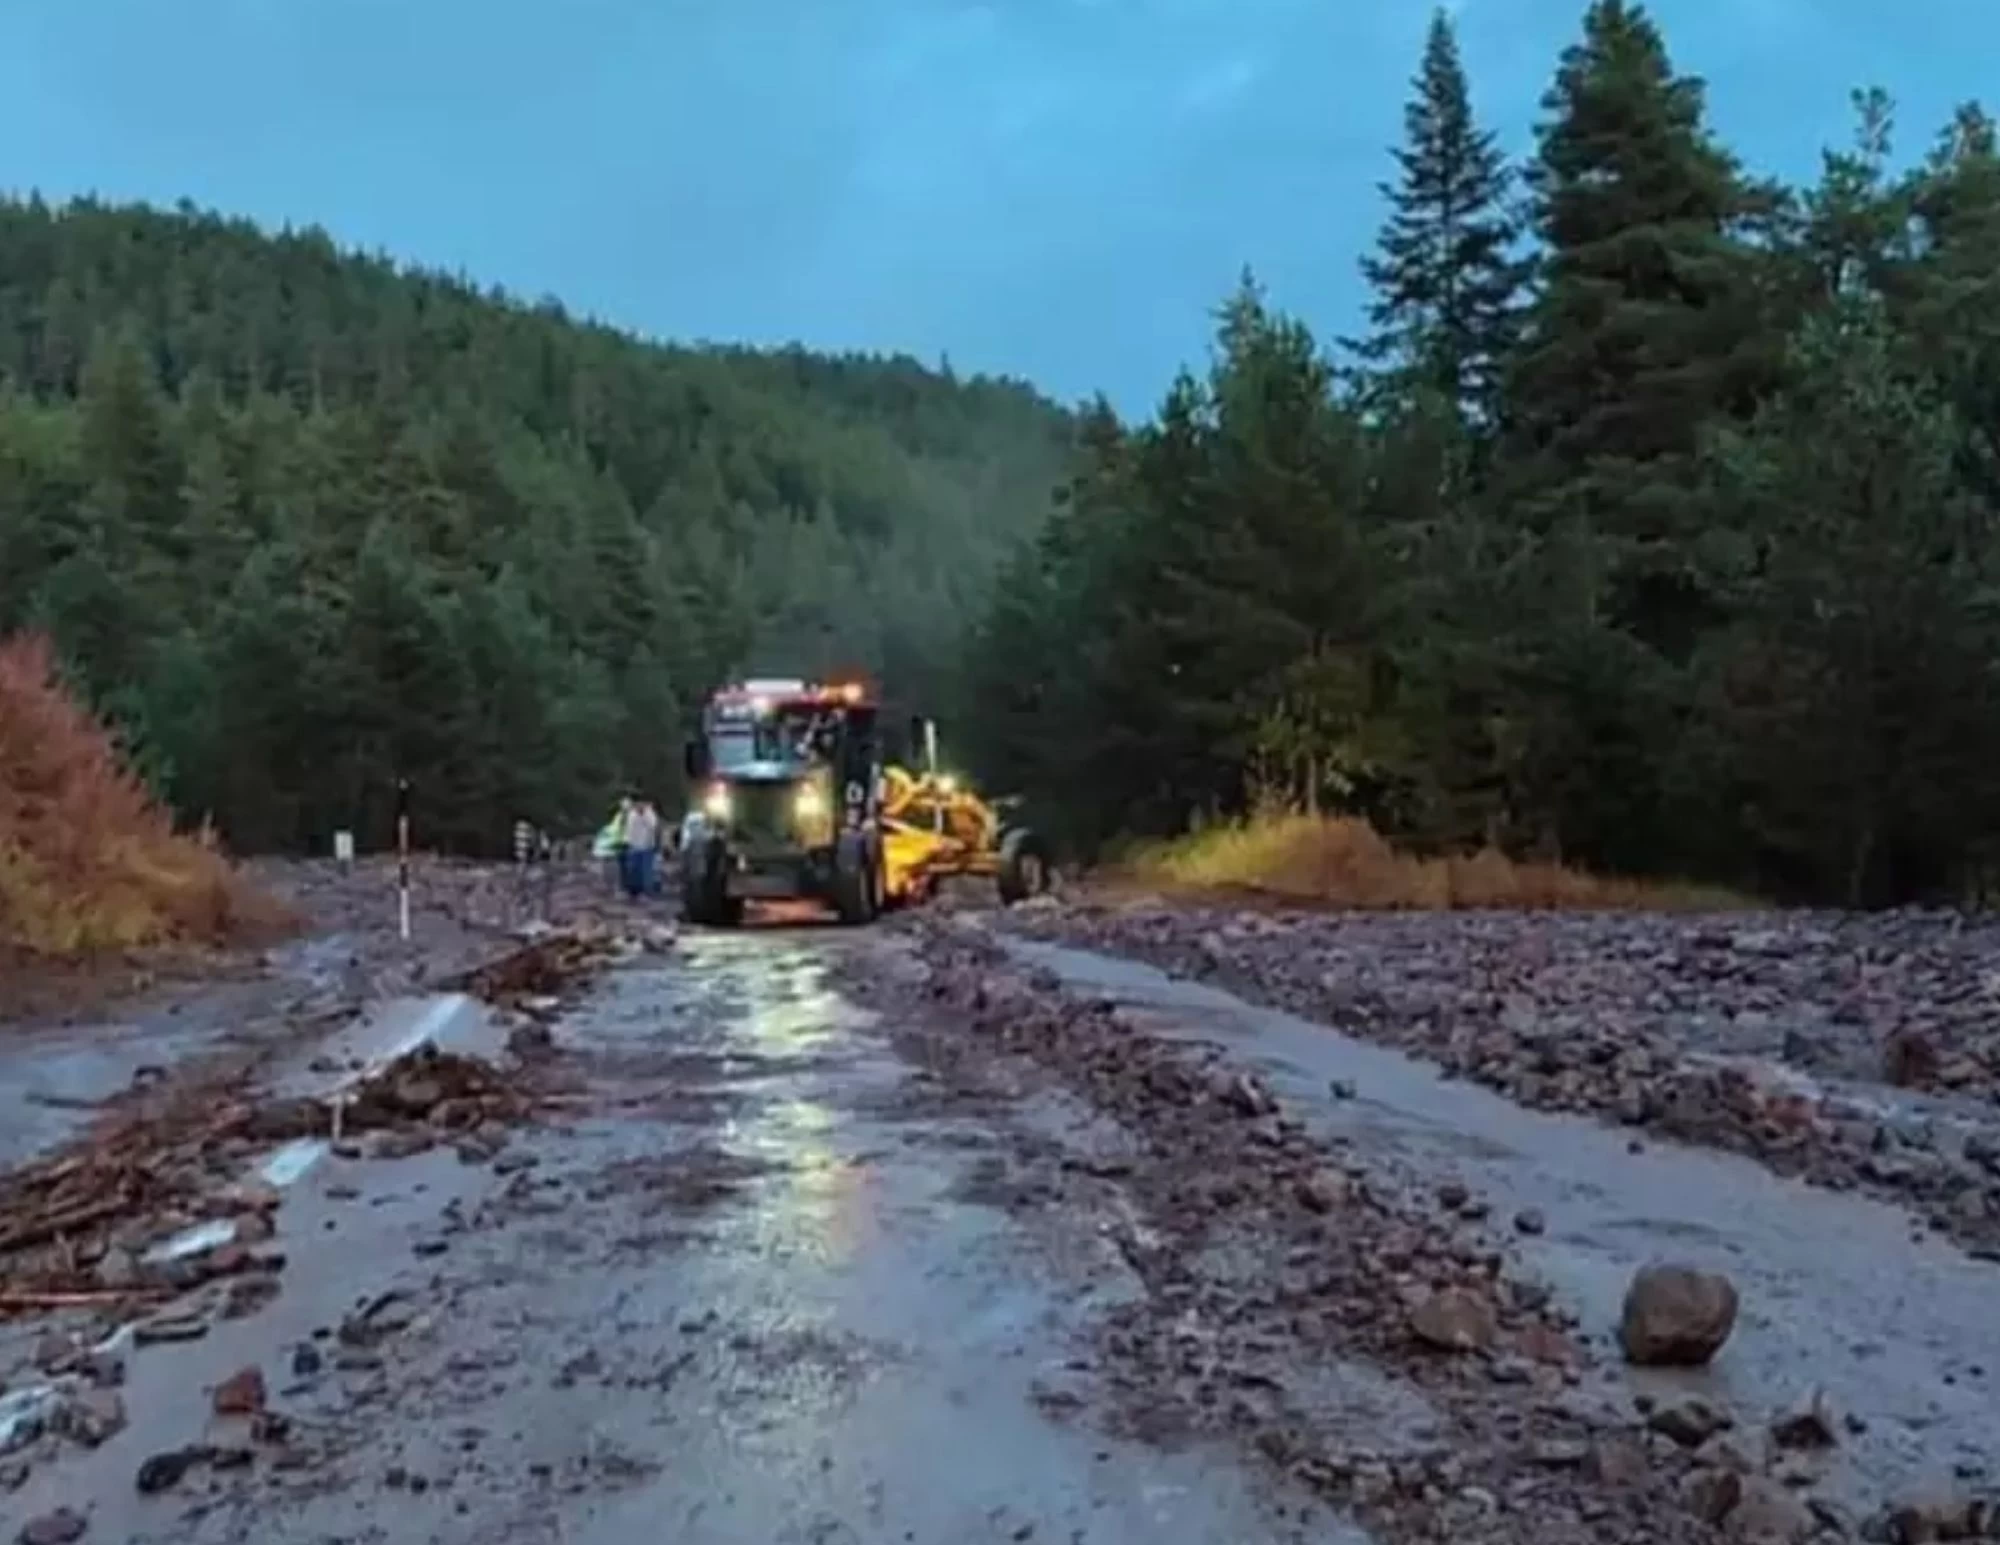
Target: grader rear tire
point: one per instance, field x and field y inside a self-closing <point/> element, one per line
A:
<point x="1024" y="866"/>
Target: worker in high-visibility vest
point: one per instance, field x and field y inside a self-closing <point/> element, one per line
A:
<point x="608" y="846"/>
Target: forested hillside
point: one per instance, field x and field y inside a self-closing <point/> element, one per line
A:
<point x="302" y="522"/>
<point x="1657" y="533"/>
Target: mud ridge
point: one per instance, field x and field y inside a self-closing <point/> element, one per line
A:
<point x="1780" y="1042"/>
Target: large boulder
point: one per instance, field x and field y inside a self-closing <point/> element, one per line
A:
<point x="1676" y="1316"/>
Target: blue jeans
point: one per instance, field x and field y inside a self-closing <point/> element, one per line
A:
<point x="636" y="865"/>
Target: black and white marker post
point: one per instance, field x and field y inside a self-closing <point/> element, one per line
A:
<point x="403" y="856"/>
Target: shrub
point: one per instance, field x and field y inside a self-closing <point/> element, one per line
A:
<point x="90" y="862"/>
<point x="1337" y="861"/>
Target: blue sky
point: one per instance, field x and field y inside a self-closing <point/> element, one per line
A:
<point x="1060" y="189"/>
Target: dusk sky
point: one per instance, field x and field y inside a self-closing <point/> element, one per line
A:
<point x="1059" y="189"/>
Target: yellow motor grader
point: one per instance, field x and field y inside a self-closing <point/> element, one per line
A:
<point x="792" y="801"/>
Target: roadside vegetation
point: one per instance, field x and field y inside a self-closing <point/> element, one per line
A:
<point x="1343" y="862"/>
<point x="90" y="863"/>
<point x="1654" y="534"/>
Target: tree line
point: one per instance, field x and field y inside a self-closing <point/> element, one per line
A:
<point x="1650" y="524"/>
<point x="302" y="523"/>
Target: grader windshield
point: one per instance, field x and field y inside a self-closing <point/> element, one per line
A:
<point x="780" y="728"/>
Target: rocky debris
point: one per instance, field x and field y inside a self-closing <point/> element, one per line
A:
<point x="1676" y="1316"/>
<point x="84" y="1220"/>
<point x="1273" y="1265"/>
<point x="241" y="1394"/>
<point x="536" y="977"/>
<point x="91" y="1417"/>
<point x="1808" y="1425"/>
<point x="64" y="1526"/>
<point x="1454" y="1320"/>
<point x="166" y="1470"/>
<point x="1752" y="1509"/>
<point x="1690" y="1422"/>
<point x="1677" y="1026"/>
<point x="1925" y="1519"/>
<point x="375" y="1320"/>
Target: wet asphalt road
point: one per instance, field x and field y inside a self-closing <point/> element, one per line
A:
<point x="748" y="1288"/>
<point x="743" y="1293"/>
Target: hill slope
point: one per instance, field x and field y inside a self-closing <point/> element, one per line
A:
<point x="301" y="521"/>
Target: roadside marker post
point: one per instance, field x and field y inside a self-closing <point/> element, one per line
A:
<point x="403" y="856"/>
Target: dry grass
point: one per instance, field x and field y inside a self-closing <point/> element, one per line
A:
<point x="90" y="864"/>
<point x="1337" y="862"/>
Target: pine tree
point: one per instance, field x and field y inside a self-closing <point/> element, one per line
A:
<point x="1446" y="278"/>
<point x="1649" y="323"/>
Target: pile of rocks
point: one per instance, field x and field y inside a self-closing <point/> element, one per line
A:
<point x="1626" y="1018"/>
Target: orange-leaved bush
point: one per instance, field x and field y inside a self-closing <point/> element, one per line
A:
<point x="90" y="862"/>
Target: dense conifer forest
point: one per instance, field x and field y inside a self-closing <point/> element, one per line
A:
<point x="302" y="523"/>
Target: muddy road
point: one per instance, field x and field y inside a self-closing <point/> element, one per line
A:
<point x="932" y="1233"/>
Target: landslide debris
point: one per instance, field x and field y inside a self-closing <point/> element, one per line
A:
<point x="1275" y="1267"/>
<point x="1742" y="1033"/>
<point x="77" y="1226"/>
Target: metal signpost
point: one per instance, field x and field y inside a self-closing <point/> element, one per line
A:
<point x="403" y="855"/>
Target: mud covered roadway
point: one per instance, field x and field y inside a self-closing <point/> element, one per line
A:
<point x="933" y="1232"/>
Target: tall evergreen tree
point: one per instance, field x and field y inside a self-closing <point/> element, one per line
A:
<point x="1446" y="276"/>
<point x="1648" y="324"/>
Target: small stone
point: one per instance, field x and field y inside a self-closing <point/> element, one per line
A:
<point x="1937" y="1516"/>
<point x="62" y="1527"/>
<point x="118" y="1270"/>
<point x="1529" y="1220"/>
<point x="306" y="1362"/>
<point x="1559" y="1454"/>
<point x="1712" y="1495"/>
<point x="1676" y="1316"/>
<point x="164" y="1471"/>
<point x="1620" y="1461"/>
<point x="1690" y="1422"/>
<point x="1340" y="1088"/>
<point x="241" y="1394"/>
<point x="1810" y="1425"/>
<point x="249" y="1293"/>
<point x="94" y="1417"/>
<point x="1248" y="1097"/>
<point x="1452" y="1194"/>
<point x="1454" y="1321"/>
<point x="1323" y="1191"/>
<point x="1767" y="1514"/>
<point x="184" y="1327"/>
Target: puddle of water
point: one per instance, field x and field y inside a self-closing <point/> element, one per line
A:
<point x="1835" y="1290"/>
